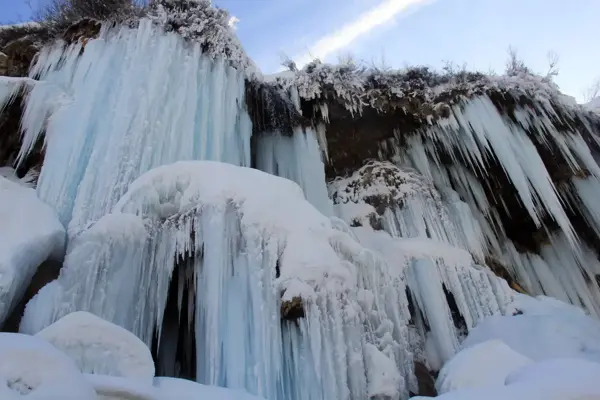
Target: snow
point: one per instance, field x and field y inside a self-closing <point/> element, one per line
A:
<point x="383" y="377"/>
<point x="559" y="379"/>
<point x="30" y="234"/>
<point x="29" y="180"/>
<point x="21" y="25"/>
<point x="32" y="368"/>
<point x="99" y="347"/>
<point x="170" y="388"/>
<point x="543" y="331"/>
<point x="483" y="365"/>
<point x="356" y="86"/>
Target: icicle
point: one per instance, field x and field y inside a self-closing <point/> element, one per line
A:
<point x="299" y="159"/>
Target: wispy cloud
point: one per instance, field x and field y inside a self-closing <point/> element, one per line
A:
<point x="361" y="26"/>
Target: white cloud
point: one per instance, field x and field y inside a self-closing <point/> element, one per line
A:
<point x="365" y="23"/>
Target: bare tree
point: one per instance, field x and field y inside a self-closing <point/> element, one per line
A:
<point x="592" y="91"/>
<point x="553" y="59"/>
<point x="515" y="65"/>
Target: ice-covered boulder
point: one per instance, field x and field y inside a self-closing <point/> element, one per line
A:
<point x="100" y="347"/>
<point x="30" y="234"/>
<point x="32" y="368"/>
<point x="485" y="364"/>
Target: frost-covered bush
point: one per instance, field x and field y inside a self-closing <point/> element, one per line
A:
<point x="199" y="21"/>
<point x="58" y="14"/>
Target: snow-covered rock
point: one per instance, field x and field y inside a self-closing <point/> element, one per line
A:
<point x="32" y="368"/>
<point x="30" y="234"/>
<point x="483" y="365"/>
<point x="100" y="347"/>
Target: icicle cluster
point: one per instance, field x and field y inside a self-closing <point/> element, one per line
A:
<point x="156" y="100"/>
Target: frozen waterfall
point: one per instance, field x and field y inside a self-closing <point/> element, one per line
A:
<point x="156" y="100"/>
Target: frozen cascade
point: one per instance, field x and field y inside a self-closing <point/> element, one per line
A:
<point x="354" y="302"/>
<point x="566" y="268"/>
<point x="100" y="143"/>
<point x="297" y="158"/>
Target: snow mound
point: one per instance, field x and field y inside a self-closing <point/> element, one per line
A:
<point x="32" y="368"/>
<point x="485" y="364"/>
<point x="559" y="379"/>
<point x="30" y="234"/>
<point x="545" y="330"/>
<point x="99" y="347"/>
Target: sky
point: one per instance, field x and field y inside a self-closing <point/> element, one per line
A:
<point x="398" y="33"/>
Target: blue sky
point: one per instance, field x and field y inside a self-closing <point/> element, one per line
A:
<point x="409" y="32"/>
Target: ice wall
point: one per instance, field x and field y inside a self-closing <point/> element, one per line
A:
<point x="131" y="100"/>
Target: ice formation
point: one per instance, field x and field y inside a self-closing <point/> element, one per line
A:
<point x="30" y="234"/>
